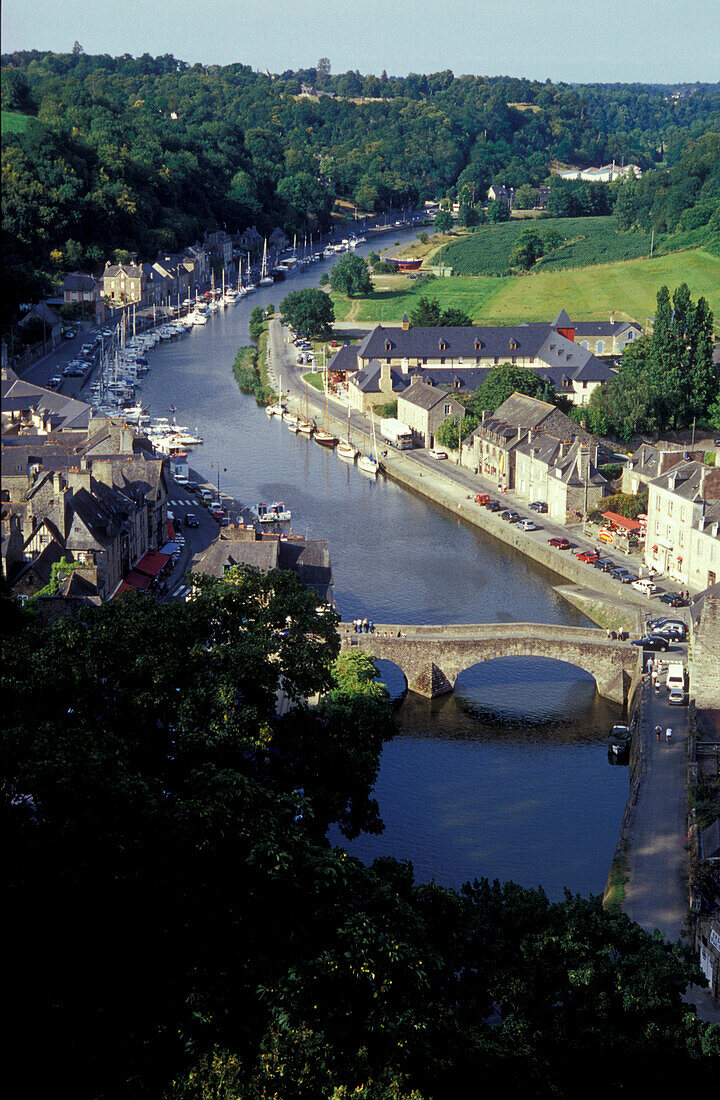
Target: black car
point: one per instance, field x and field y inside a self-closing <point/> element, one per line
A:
<point x="604" y="565"/>
<point x="191" y="520"/>
<point x="492" y="506"/>
<point x="621" y="574"/>
<point x="509" y="516"/>
<point x="674" y="633"/>
<point x="652" y="641"/>
<point x="674" y="599"/>
<point x="539" y="506"/>
<point x="192" y="486"/>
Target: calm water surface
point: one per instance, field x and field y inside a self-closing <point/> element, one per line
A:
<point x="507" y="778"/>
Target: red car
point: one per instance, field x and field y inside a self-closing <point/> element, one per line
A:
<point x="560" y="543"/>
<point x="588" y="555"/>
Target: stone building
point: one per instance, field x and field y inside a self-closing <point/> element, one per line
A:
<point x="123" y="283"/>
<point x="424" y="409"/>
<point x="683" y="524"/>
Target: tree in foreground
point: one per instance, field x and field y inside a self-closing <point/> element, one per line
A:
<point x="181" y="926"/>
<point x="310" y="312"/>
<point x="443" y="221"/>
<point x="350" y="276"/>
<point x="427" y="314"/>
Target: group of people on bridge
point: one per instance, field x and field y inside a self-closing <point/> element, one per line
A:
<point x="363" y="626"/>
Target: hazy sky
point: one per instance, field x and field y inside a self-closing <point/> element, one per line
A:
<point x="663" y="41"/>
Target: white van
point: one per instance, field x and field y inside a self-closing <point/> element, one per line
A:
<point x="675" y="680"/>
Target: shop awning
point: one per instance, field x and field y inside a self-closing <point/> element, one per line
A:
<point x="139" y="581"/>
<point x="151" y="563"/>
<point x="622" y="521"/>
<point x="170" y="529"/>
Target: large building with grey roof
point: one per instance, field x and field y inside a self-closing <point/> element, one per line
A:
<point x="552" y="350"/>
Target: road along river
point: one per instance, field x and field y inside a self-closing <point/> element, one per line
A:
<point x="508" y="777"/>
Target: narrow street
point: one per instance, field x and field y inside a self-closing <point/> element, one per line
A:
<point x="656" y="892"/>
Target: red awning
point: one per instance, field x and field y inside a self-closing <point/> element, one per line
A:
<point x="170" y="530"/>
<point x="139" y="581"/>
<point x="152" y="562"/>
<point x="655" y="549"/>
<point x="621" y="521"/>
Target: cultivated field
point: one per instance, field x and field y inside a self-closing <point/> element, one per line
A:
<point x="584" y="241"/>
<point x="590" y="293"/>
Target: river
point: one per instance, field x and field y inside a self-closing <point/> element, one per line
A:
<point x="508" y="777"/>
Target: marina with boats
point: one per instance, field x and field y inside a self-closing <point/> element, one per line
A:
<point x="522" y="732"/>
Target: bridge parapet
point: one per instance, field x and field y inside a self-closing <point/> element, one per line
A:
<point x="432" y="657"/>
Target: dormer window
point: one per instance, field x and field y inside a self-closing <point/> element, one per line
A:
<point x="513" y="345"/>
<point x="478" y="345"/>
<point x="388" y="345"/>
<point x="442" y="345"/>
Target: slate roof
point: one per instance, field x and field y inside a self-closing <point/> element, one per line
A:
<point x="424" y="396"/>
<point x="345" y="359"/>
<point x="77" y="281"/>
<point x="535" y="340"/>
<point x="64" y="412"/>
<point x="368" y="379"/>
<point x="603" y="328"/>
<point x="226" y="552"/>
<point x="688" y="481"/>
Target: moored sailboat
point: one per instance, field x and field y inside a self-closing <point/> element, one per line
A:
<point x="369" y="463"/>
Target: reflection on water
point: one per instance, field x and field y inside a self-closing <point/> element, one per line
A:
<point x="508" y="778"/>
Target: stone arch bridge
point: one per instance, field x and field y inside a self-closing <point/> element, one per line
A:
<point x="432" y="657"/>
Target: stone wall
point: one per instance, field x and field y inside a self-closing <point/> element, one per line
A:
<point x="705" y="667"/>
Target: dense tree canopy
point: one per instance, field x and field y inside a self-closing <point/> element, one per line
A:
<point x="148" y="152"/>
<point x="665" y="381"/>
<point x="181" y="927"/>
<point x="350" y="276"/>
<point x="310" y="312"/>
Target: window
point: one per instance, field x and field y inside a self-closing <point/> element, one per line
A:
<point x="670" y="507"/>
<point x="442" y="360"/>
<point x="584" y="344"/>
<point x="600" y="347"/>
<point x="447" y="410"/>
<point x="700" y="548"/>
<point x="682" y="513"/>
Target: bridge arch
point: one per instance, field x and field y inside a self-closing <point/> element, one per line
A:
<point x="433" y="657"/>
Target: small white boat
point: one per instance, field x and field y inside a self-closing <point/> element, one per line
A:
<point x="275" y="512"/>
<point x="369" y="464"/>
<point x="345" y="449"/>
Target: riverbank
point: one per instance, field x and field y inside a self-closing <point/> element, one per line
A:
<point x="453" y="489"/>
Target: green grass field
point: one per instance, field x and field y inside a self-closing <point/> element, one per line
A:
<point x="585" y="241"/>
<point x="12" y="122"/>
<point x="590" y="293"/>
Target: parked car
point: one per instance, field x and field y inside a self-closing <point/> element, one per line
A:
<point x="620" y="573"/>
<point x="509" y="516"/>
<point x="482" y="498"/>
<point x="54" y="382"/>
<point x="677" y="698"/>
<point x="191" y="520"/>
<point x="434" y="453"/>
<point x="192" y="486"/>
<point x="604" y="565"/>
<point x="492" y="506"/>
<point x="655" y="624"/>
<point x="590" y="556"/>
<point x="181" y="479"/>
<point x="206" y="496"/>
<point x="674" y="599"/>
<point x="528" y="525"/>
<point x="673" y="631"/>
<point x="646" y="587"/>
<point x="539" y="506"/>
<point x="559" y="542"/>
<point x="652" y="641"/>
<point x="69" y="333"/>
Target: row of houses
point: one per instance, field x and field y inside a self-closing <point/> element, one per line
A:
<point x="569" y="355"/>
<point x="85" y="490"/>
<point x="173" y="275"/>
<point x="683" y="511"/>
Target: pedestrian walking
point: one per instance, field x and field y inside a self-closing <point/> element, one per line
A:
<point x="658" y="731"/>
<point x="371" y="627"/>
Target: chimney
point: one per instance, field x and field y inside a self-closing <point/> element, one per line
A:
<point x="483" y="416"/>
<point x="584" y="462"/>
<point x="385" y="378"/>
<point x="710" y="483"/>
